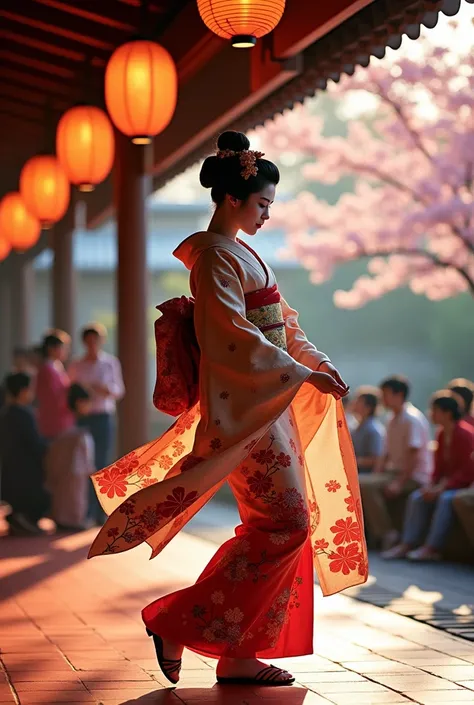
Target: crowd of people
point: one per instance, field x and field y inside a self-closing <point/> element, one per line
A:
<point x="399" y="461"/>
<point x="56" y="428"/>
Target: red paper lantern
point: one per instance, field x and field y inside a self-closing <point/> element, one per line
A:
<point x="5" y="248"/>
<point x="141" y="88"/>
<point x="85" y="146"/>
<point x="17" y="226"/>
<point x="45" y="189"/>
<point x="241" y="21"/>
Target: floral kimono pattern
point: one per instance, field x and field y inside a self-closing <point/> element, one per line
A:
<point x="284" y="448"/>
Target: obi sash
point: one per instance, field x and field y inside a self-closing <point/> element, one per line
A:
<point x="263" y="309"/>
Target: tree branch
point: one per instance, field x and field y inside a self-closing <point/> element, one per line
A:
<point x="421" y="253"/>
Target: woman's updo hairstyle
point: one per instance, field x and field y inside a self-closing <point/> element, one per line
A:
<point x="224" y="175"/>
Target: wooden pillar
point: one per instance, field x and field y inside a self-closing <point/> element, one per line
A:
<point x="132" y="186"/>
<point x="63" y="297"/>
<point x="21" y="300"/>
<point x="5" y="318"/>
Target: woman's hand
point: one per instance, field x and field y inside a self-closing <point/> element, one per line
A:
<point x="327" y="384"/>
<point x="328" y="367"/>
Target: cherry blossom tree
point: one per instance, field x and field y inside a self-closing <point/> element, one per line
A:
<point x="411" y="210"/>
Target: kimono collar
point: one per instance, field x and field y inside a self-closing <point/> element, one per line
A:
<point x="190" y="249"/>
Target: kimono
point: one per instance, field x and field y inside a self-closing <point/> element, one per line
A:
<point x="68" y="464"/>
<point x="283" y="446"/>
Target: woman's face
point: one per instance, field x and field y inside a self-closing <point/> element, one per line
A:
<point x="253" y="213"/>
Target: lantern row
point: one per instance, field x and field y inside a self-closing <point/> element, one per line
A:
<point x="141" y="88"/>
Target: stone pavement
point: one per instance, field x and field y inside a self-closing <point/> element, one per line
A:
<point x="71" y="633"/>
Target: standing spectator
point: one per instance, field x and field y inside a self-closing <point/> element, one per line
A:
<point x="349" y="412"/>
<point x="101" y="374"/>
<point x="430" y="509"/>
<point x="369" y="436"/>
<point x="52" y="385"/>
<point x="69" y="462"/>
<point x="465" y="389"/>
<point x="405" y="465"/>
<point x="21" y="457"/>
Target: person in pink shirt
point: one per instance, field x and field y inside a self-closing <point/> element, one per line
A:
<point x="52" y="385"/>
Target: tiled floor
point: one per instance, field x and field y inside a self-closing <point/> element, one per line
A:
<point x="71" y="633"/>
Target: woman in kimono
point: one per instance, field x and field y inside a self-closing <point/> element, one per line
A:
<point x="270" y="421"/>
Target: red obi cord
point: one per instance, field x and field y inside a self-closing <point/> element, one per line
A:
<point x="262" y="297"/>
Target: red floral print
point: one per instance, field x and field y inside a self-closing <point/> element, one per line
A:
<point x="320" y="545"/>
<point x="332" y="486"/>
<point x="351" y="507"/>
<point x="215" y="444"/>
<point x="113" y="532"/>
<point x="292" y="445"/>
<point x="148" y="481"/>
<point x="224" y="395"/>
<point x="113" y="482"/>
<point x="150" y="517"/>
<point x="232" y="347"/>
<point x="339" y="424"/>
<point x="284" y="460"/>
<point x="144" y="471"/>
<point x="179" y="449"/>
<point x="128" y="507"/>
<point x="284" y="378"/>
<point x="217" y="422"/>
<point x="128" y="464"/>
<point x="345" y="531"/>
<point x="165" y="462"/>
<point x="259" y="483"/>
<point x="345" y="559"/>
<point x="264" y="457"/>
<point x="223" y="282"/>
<point x="177" y="502"/>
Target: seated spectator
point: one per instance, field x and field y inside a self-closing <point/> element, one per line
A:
<point x="369" y="435"/>
<point x="430" y="509"/>
<point x="21" y="457"/>
<point x="350" y="418"/>
<point x="464" y="389"/>
<point x="69" y="462"/>
<point x="404" y="466"/>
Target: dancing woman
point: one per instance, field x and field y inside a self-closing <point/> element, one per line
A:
<point x="270" y="421"/>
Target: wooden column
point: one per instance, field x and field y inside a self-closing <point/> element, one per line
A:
<point x="6" y="346"/>
<point x="21" y="301"/>
<point x="63" y="297"/>
<point x="132" y="186"/>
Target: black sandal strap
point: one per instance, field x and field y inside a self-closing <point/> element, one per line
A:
<point x="270" y="674"/>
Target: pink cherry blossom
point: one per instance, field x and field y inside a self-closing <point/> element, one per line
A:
<point x="411" y="212"/>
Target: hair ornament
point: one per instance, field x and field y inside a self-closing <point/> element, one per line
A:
<point x="248" y="160"/>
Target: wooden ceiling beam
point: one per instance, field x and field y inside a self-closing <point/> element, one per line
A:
<point x="50" y="63"/>
<point x="59" y="24"/>
<point x="115" y="15"/>
<point x="25" y="62"/>
<point x="10" y="89"/>
<point x="47" y="86"/>
<point x="55" y="45"/>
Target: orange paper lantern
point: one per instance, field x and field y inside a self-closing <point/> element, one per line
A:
<point x="17" y="225"/>
<point x="45" y="189"/>
<point x="241" y="21"/>
<point x="141" y="88"/>
<point x="85" y="146"/>
<point x="5" y="248"/>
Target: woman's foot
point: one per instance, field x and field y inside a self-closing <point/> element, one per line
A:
<point x="169" y="655"/>
<point x="252" y="668"/>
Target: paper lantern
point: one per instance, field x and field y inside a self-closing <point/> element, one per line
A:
<point x="85" y="146"/>
<point x="141" y="88"/>
<point x="17" y="225"/>
<point x="241" y="21"/>
<point x="45" y="189"/>
<point x="5" y="248"/>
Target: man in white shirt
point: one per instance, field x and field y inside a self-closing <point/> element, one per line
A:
<point x="405" y="465"/>
<point x="101" y="375"/>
